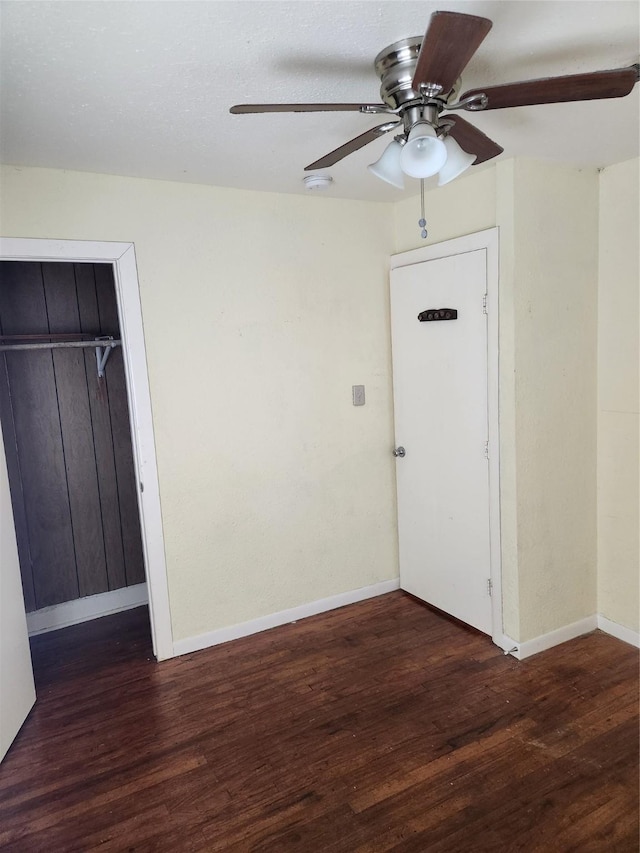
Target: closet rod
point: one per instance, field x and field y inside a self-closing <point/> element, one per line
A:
<point x="59" y="344"/>
<point x="103" y="347"/>
<point x="51" y="336"/>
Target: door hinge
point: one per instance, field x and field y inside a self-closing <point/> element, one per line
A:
<point x="484" y="304"/>
<point x="489" y="587"/>
<point x="486" y="450"/>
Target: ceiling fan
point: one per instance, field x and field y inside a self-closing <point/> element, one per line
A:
<point x="420" y="80"/>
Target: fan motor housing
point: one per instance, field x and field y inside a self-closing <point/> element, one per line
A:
<point x="395" y="66"/>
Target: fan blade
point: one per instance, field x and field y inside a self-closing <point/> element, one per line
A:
<point x="448" y="45"/>
<point x="555" y="90"/>
<point x="305" y="108"/>
<point x="473" y="141"/>
<point x="353" y="145"/>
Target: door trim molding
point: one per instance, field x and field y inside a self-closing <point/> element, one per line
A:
<point x="123" y="260"/>
<point x="489" y="241"/>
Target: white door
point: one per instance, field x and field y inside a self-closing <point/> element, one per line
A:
<point x="441" y="419"/>
<point x="17" y="691"/>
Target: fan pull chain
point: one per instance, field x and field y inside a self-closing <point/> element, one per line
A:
<point x="422" y="222"/>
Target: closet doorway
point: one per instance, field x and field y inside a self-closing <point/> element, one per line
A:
<point x="90" y="488"/>
<point x="67" y="437"/>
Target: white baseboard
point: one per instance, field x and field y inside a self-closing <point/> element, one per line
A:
<point x="283" y="617"/>
<point x="570" y="632"/>
<point x="554" y="638"/>
<point x="84" y="609"/>
<point x="94" y="606"/>
<point x="619" y="631"/>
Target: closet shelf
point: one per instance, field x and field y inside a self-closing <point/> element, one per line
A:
<point x="103" y="345"/>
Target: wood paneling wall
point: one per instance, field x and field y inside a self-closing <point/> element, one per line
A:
<point x="67" y="436"/>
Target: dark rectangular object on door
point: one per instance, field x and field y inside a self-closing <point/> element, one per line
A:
<point x="438" y="314"/>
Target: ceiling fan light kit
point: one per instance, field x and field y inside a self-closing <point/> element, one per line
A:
<point x="458" y="161"/>
<point x="420" y="80"/>
<point x="424" y="154"/>
<point x="388" y="168"/>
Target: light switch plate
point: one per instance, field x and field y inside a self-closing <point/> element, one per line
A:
<point x="358" y="395"/>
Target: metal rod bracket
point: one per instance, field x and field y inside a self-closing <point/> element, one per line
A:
<point x="103" y="353"/>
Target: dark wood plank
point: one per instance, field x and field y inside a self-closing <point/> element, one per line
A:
<point x="121" y="430"/>
<point x="101" y="425"/>
<point x="39" y="439"/>
<point x="77" y="435"/>
<point x="382" y="726"/>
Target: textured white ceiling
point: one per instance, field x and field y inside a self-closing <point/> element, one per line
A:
<point x="143" y="88"/>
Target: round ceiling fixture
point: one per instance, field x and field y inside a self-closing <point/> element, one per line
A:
<point x="317" y="182"/>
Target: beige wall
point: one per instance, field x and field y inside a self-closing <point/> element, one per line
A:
<point x="260" y="312"/>
<point x="555" y="321"/>
<point x="505" y="219"/>
<point x="461" y="207"/>
<point x="618" y="422"/>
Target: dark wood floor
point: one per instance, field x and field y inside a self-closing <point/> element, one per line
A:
<point x="378" y="727"/>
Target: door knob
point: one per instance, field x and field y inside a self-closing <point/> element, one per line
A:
<point x="400" y="451"/>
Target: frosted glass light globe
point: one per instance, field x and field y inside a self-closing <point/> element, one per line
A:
<point x="424" y="154"/>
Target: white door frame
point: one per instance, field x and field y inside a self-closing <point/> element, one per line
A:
<point x="487" y="240"/>
<point x="123" y="260"/>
